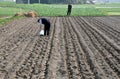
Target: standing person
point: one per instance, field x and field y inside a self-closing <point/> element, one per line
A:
<point x="69" y="9"/>
<point x="46" y="23"/>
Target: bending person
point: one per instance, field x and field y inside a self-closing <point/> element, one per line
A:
<point x="46" y="23"/>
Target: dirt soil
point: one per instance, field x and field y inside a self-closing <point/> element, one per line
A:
<point x="77" y="48"/>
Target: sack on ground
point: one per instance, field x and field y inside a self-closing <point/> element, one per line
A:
<point x="41" y="32"/>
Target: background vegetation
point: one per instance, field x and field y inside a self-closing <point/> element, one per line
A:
<point x="54" y="1"/>
<point x="10" y="8"/>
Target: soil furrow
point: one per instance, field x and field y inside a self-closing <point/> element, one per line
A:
<point x="14" y="40"/>
<point x="12" y="53"/>
<point x="14" y="57"/>
<point x="110" y="22"/>
<point x="71" y="55"/>
<point x="105" y="51"/>
<point x="55" y="63"/>
<point x="113" y="34"/>
<point x="22" y="60"/>
<point x="32" y="67"/>
<point x="102" y="24"/>
<point x="77" y="48"/>
<point x="14" y="30"/>
<point x="45" y="61"/>
<point x="89" y="54"/>
<point x="84" y="67"/>
<point x="109" y="41"/>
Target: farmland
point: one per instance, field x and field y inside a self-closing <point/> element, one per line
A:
<point x="77" y="48"/>
<point x="85" y="45"/>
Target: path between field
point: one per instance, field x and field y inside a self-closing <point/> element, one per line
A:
<point x="77" y="48"/>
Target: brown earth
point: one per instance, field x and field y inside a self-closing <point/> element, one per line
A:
<point x="77" y="48"/>
<point x="30" y="14"/>
<point x="27" y="14"/>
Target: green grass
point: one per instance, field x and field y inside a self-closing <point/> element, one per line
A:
<point x="10" y="8"/>
<point x="59" y="9"/>
<point x="111" y="11"/>
<point x="9" y="11"/>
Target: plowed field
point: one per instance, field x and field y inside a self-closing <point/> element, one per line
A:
<point x="77" y="48"/>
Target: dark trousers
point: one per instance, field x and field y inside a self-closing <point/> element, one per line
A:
<point x="68" y="12"/>
<point x="46" y="30"/>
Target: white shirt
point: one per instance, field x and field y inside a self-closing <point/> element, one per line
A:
<point x="40" y="21"/>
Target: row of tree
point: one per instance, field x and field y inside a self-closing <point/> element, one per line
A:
<point x="55" y="1"/>
<point x="64" y="1"/>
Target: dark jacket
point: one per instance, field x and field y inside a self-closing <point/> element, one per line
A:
<point x="46" y="25"/>
<point x="45" y="22"/>
<point x="69" y="7"/>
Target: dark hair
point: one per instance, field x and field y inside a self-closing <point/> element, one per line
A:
<point x="38" y="20"/>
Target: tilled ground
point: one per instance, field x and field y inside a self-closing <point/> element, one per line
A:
<point x="77" y="48"/>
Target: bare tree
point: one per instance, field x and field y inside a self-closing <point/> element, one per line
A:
<point x="28" y="1"/>
<point x="91" y="1"/>
<point x="39" y="1"/>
